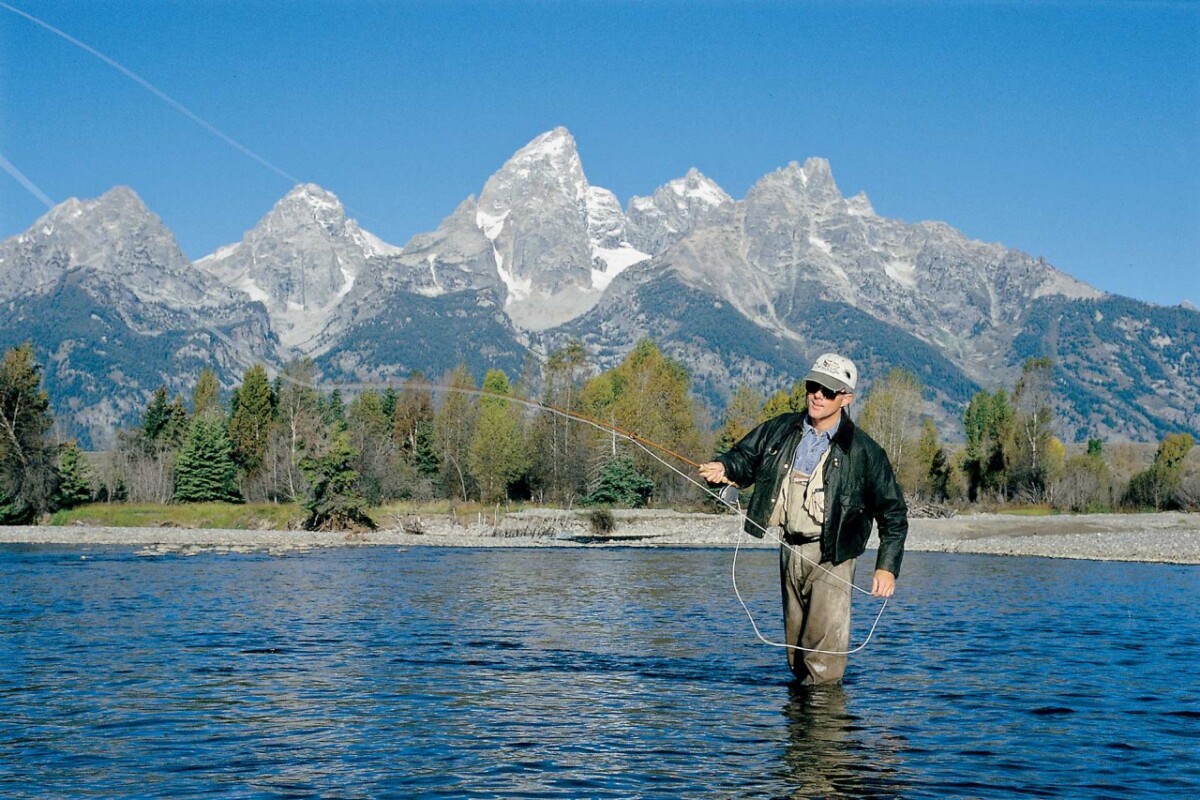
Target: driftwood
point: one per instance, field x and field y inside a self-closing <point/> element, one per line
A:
<point x="920" y="510"/>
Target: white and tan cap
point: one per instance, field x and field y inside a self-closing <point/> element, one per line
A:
<point x="834" y="372"/>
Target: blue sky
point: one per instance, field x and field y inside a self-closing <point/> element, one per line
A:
<point x="1069" y="130"/>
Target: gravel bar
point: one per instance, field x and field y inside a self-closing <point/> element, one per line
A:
<point x="1166" y="537"/>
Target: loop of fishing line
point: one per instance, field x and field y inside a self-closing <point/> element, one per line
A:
<point x="645" y="445"/>
<point x="642" y="443"/>
<point x="795" y="551"/>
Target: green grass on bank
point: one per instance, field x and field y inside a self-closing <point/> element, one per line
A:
<point x="237" y="516"/>
<point x="290" y="516"/>
<point x="258" y="516"/>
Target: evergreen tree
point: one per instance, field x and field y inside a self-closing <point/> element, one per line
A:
<point x="252" y="418"/>
<point x="156" y="417"/>
<point x="333" y="501"/>
<point x="74" y="478"/>
<point x="333" y="410"/>
<point x="989" y="425"/>
<point x="28" y="457"/>
<point x="204" y="469"/>
<point x="425" y="454"/>
<point x="206" y="397"/>
<point x="390" y="399"/>
<point x="497" y="455"/>
<point x="176" y="428"/>
<point x="620" y="484"/>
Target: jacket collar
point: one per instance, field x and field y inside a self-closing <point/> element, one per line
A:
<point x="844" y="433"/>
<point x="842" y="437"/>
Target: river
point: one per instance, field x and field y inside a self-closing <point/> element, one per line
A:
<point x="598" y="672"/>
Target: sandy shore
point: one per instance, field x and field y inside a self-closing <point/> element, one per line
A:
<point x="1168" y="538"/>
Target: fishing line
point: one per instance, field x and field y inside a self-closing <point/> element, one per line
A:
<point x="161" y="95"/>
<point x="644" y="444"/>
<point x="768" y="533"/>
<point x="157" y="92"/>
<point x="29" y="185"/>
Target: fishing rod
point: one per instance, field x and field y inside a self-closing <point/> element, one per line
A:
<point x="645" y="445"/>
<point x="608" y="427"/>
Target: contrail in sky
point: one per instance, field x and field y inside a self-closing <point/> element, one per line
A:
<point x="148" y="86"/>
<point x="11" y="169"/>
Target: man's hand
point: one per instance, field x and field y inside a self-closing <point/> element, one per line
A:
<point x="884" y="584"/>
<point x="713" y="472"/>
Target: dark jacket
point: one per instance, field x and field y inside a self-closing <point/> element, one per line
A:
<point x="859" y="488"/>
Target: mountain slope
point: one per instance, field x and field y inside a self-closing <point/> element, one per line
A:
<point x="741" y="291"/>
<point x="114" y="309"/>
<point x="300" y="261"/>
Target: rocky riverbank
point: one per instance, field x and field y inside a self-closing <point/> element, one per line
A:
<point x="1167" y="537"/>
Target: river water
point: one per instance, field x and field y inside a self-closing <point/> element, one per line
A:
<point x="600" y="672"/>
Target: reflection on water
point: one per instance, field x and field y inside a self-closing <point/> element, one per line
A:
<point x="375" y="672"/>
<point x="827" y="752"/>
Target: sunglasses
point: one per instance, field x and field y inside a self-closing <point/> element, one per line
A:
<point x="812" y="387"/>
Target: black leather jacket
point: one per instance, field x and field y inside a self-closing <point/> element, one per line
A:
<point x="860" y="487"/>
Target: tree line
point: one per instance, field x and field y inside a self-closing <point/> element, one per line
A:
<point x="551" y="437"/>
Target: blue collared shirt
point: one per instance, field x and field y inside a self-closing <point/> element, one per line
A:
<point x="813" y="445"/>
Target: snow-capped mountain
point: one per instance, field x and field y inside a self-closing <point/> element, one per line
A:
<point x="675" y="210"/>
<point x="795" y="240"/>
<point x="741" y="291"/>
<point x="115" y="309"/>
<point x="557" y="242"/>
<point x="300" y="261"/>
<point x="113" y="235"/>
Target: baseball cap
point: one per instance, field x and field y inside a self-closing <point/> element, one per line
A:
<point x="834" y="372"/>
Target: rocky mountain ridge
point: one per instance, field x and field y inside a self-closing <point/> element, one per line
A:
<point x="115" y="309"/>
<point x="740" y="290"/>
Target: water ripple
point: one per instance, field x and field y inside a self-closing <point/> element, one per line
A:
<point x="582" y="673"/>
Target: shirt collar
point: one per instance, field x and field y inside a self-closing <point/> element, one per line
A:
<point x="807" y="427"/>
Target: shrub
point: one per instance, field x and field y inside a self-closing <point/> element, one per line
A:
<point x="602" y="521"/>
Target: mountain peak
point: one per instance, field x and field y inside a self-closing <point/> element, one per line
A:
<point x="551" y="144"/>
<point x="812" y="182"/>
<point x="551" y="156"/>
<point x="696" y="185"/>
<point x="860" y="205"/>
<point x="306" y="203"/>
<point x="313" y="194"/>
<point x="119" y="201"/>
<point x="107" y="214"/>
<point x="121" y="196"/>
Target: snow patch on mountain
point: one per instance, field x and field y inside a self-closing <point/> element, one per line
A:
<point x="300" y="261"/>
<point x="615" y="261"/>
<point x="902" y="272"/>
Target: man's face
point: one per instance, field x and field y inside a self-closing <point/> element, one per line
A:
<point x="824" y="404"/>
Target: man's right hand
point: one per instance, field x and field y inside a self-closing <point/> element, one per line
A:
<point x="713" y="472"/>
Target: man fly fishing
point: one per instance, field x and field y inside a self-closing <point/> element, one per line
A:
<point x="820" y="482"/>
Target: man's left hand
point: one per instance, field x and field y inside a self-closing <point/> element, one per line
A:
<point x="884" y="584"/>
